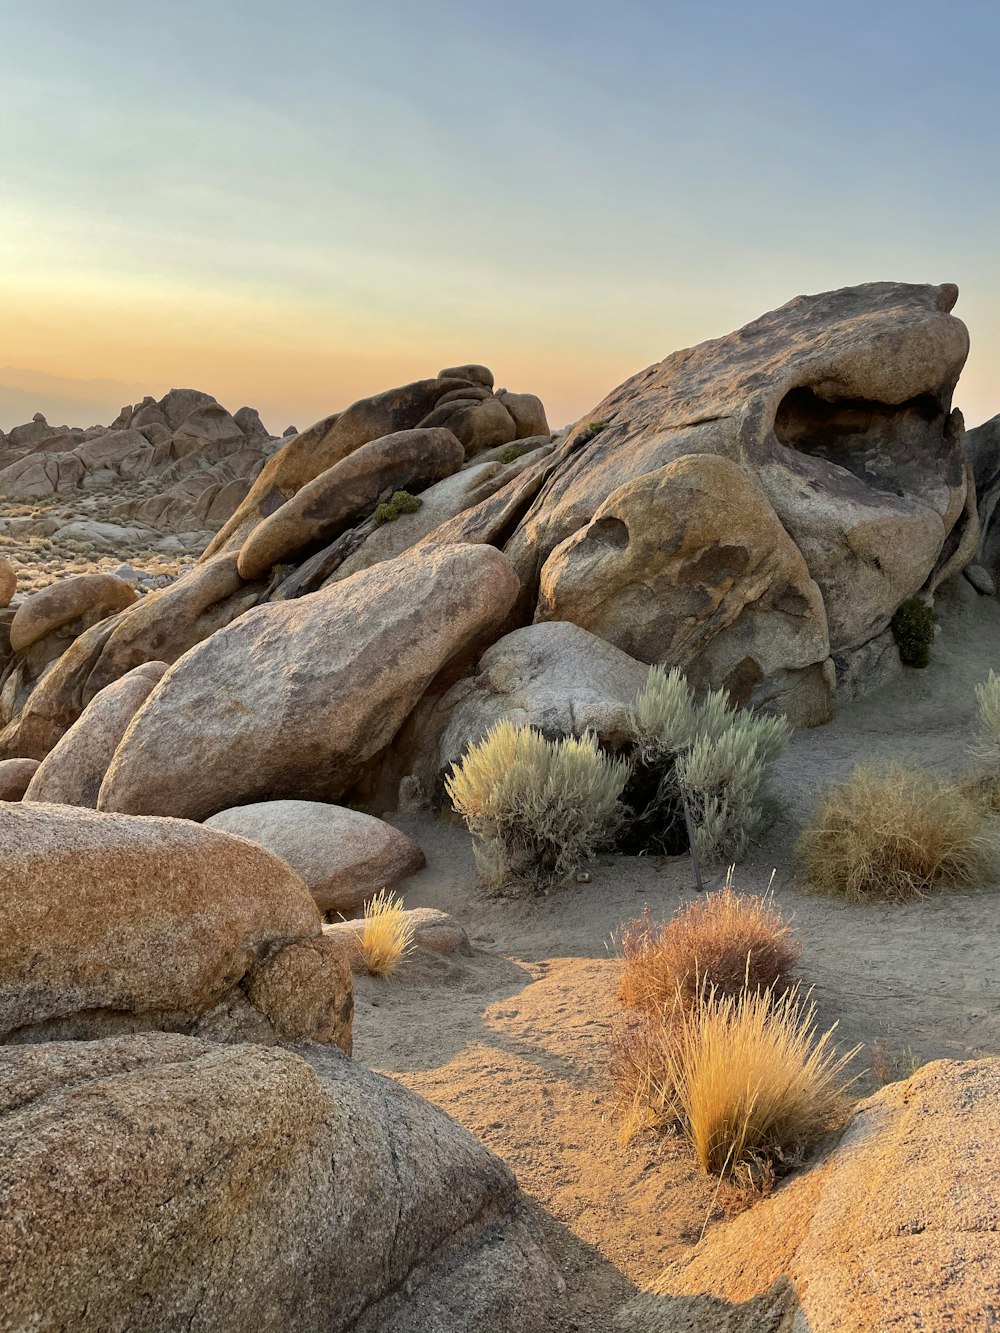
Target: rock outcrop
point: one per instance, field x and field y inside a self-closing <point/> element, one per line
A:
<point x="555" y="677"/>
<point x="343" y="856"/>
<point x="982" y="446"/>
<point x="295" y="699"/>
<point x="115" y="924"/>
<point x="895" y="1229"/>
<point x="72" y="772"/>
<point x="833" y="416"/>
<point x="158" y="1182"/>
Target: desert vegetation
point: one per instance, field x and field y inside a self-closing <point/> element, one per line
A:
<point x="386" y="936"/>
<point x="892" y="831"/>
<point x="704" y="755"/>
<point x="538" y="809"/>
<point x="719" y="1042"/>
<point x="913" y="630"/>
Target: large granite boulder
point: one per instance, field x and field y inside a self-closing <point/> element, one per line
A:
<point x="72" y="772"/>
<point x="555" y="677"/>
<point x="343" y="856"/>
<point x="837" y="408"/>
<point x="408" y="460"/>
<point x="896" y="1228"/>
<point x="159" y="1182"/>
<point x="308" y="455"/>
<point x="116" y="924"/>
<point x="295" y="699"/>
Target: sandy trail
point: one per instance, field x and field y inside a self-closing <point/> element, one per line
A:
<point x="513" y="1042"/>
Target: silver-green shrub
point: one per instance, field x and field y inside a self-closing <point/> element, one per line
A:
<point x="713" y="755"/>
<point x="538" y="808"/>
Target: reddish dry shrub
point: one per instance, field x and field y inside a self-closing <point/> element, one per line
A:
<point x="724" y="941"/>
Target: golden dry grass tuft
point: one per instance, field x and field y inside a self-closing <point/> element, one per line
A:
<point x="894" y="832"/>
<point x="746" y="1078"/>
<point x="387" y="936"/>
<point x="724" y="942"/>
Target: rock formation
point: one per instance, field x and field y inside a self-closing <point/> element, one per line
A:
<point x="158" y="1182"/>
<point x="114" y="924"/>
<point x="343" y="856"/>
<point x="895" y="1228"/>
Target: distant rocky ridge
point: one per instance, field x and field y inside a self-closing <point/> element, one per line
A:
<point x="182" y="463"/>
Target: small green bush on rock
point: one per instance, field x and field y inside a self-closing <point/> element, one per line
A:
<point x="539" y="808"/>
<point x="401" y="502"/>
<point x="913" y="629"/>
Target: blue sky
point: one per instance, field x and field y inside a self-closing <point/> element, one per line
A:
<point x="296" y="204"/>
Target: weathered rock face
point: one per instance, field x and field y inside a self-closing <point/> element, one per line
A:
<point x="72" y="772"/>
<point x="690" y="565"/>
<point x="345" y="1202"/>
<point x="982" y="446"/>
<point x="70" y="601"/>
<point x="296" y="698"/>
<point x="115" y="924"/>
<point x="408" y="460"/>
<point x="459" y="399"/>
<point x="15" y="777"/>
<point x="343" y="856"/>
<point x="837" y="408"/>
<point x="555" y="677"/>
<point x="895" y="1229"/>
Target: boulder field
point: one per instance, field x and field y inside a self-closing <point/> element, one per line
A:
<point x="752" y="510"/>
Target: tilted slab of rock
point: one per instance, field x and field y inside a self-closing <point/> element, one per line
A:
<point x="72" y="772"/>
<point x="308" y="455"/>
<point x="65" y="601"/>
<point x="296" y="698"/>
<point x="555" y="677"/>
<point x="895" y="1229"/>
<point x="839" y="407"/>
<point x="160" y="627"/>
<point x="456" y="494"/>
<point x="407" y="460"/>
<point x="159" y="1182"/>
<point x="117" y="924"/>
<point x="344" y="856"/>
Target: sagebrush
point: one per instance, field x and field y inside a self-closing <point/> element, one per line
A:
<point x="721" y="944"/>
<point x="538" y="808"/>
<point x="893" y="831"/>
<point x="745" y="1077"/>
<point x="706" y="752"/>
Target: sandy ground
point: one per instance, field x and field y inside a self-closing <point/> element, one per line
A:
<point x="513" y="1042"/>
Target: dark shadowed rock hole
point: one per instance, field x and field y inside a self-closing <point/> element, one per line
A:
<point x="655" y="825"/>
<point x="880" y="443"/>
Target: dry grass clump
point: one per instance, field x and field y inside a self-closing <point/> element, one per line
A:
<point x="746" y="1078"/>
<point x="539" y="808"/>
<point x="894" y="832"/>
<point x="717" y="1042"/>
<point x="387" y="936"/>
<point x="724" y="942"/>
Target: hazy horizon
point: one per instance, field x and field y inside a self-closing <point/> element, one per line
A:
<point x="296" y="208"/>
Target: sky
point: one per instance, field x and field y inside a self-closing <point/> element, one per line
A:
<point x="296" y="204"/>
